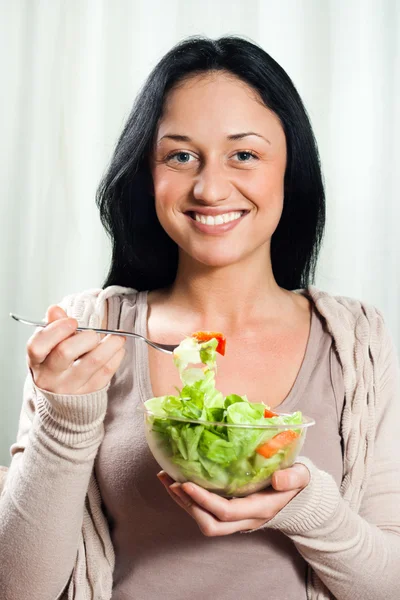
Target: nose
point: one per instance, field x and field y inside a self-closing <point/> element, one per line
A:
<point x="212" y="184"/>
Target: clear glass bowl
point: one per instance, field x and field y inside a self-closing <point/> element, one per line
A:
<point x="238" y="476"/>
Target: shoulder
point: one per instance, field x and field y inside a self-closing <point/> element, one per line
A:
<point x="365" y="348"/>
<point x="354" y="324"/>
<point x="89" y="307"/>
<point x="344" y="312"/>
<point x="341" y="305"/>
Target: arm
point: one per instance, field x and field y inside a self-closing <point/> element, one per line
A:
<point x="42" y="503"/>
<point x="357" y="556"/>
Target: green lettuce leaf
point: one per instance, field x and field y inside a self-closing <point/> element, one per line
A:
<point x="216" y="448"/>
<point x="218" y="457"/>
<point x="208" y="354"/>
<point x="188" y="352"/>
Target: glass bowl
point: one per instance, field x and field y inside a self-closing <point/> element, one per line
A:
<point x="228" y="459"/>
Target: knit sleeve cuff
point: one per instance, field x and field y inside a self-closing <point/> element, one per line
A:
<point x="311" y="507"/>
<point x="72" y="418"/>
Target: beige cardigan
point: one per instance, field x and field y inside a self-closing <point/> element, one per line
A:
<point x="322" y="522"/>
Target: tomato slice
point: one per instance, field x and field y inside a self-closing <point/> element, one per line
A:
<point x="268" y="413"/>
<point x="278" y="442"/>
<point x="205" y="336"/>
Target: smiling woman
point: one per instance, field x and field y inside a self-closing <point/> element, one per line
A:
<point x="218" y="179"/>
<point x="215" y="207"/>
<point x="218" y="126"/>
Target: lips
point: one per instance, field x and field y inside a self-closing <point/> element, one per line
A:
<point x="217" y="223"/>
<point x="214" y="211"/>
<point x="213" y="216"/>
<point x="217" y="219"/>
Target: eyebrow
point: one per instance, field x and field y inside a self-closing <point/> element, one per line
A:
<point x="233" y="136"/>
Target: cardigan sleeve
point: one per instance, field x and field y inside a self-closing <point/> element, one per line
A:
<point x="43" y="496"/>
<point x="357" y="556"/>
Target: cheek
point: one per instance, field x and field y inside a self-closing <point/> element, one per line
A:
<point x="266" y="189"/>
<point x="162" y="212"/>
<point x="169" y="189"/>
<point x="267" y="192"/>
<point x="163" y="192"/>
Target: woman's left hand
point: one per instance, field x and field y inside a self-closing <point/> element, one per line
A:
<point x="219" y="516"/>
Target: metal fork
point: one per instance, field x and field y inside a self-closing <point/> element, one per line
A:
<point x="167" y="348"/>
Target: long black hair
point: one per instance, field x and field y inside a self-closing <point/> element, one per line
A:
<point x="143" y="255"/>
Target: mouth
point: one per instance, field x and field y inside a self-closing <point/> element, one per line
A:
<point x="218" y="219"/>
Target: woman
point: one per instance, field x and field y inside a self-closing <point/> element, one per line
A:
<point x="215" y="206"/>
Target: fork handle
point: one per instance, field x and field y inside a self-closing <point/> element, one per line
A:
<point x="161" y="347"/>
<point x="43" y="324"/>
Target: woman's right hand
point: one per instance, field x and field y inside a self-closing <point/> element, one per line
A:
<point x="63" y="361"/>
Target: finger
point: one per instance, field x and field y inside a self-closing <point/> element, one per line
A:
<point x="165" y="481"/>
<point x="176" y="498"/>
<point x="164" y="477"/>
<point x="100" y="353"/>
<point x="177" y="489"/>
<point x="210" y="526"/>
<point x="84" y="353"/>
<point x="104" y="374"/>
<point x="45" y="339"/>
<point x="62" y="355"/>
<point x="296" y="477"/>
<point x="261" y="505"/>
<point x="55" y="312"/>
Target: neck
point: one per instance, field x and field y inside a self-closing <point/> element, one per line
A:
<point x="229" y="296"/>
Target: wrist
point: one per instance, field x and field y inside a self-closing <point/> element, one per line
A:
<point x="71" y="418"/>
<point x="312" y="506"/>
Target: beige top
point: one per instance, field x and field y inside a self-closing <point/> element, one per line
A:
<point x="160" y="551"/>
<point x="54" y="537"/>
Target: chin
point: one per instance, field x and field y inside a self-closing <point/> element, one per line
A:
<point x="217" y="259"/>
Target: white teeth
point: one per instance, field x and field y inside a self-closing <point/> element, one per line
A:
<point x="219" y="219"/>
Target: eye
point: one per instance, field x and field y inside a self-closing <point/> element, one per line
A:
<point x="181" y="158"/>
<point x="246" y="155"/>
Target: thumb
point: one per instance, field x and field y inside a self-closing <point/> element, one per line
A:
<point x="55" y="312"/>
<point x="293" y="478"/>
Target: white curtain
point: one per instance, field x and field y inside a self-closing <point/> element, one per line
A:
<point x="70" y="70"/>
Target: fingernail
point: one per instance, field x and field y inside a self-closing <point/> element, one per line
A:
<point x="280" y="481"/>
<point x="188" y="487"/>
<point x="165" y="478"/>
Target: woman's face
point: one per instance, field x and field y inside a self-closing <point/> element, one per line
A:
<point x="218" y="167"/>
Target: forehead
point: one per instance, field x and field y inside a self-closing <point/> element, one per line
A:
<point x="211" y="83"/>
<point x="216" y="101"/>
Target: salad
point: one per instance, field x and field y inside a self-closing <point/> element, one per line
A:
<point x="223" y="443"/>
